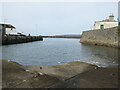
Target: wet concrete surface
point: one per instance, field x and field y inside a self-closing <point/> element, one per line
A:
<point x="68" y="75"/>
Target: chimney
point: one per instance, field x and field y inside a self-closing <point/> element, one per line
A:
<point x="111" y="17"/>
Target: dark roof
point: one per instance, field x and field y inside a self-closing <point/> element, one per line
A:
<point x="8" y="25"/>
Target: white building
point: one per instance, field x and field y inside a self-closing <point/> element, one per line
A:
<point x="107" y="23"/>
<point x="8" y="29"/>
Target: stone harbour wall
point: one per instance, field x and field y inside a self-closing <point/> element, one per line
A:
<point x="107" y="37"/>
<point x="8" y="39"/>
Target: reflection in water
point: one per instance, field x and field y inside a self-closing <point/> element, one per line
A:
<point x="102" y="56"/>
<point x="58" y="51"/>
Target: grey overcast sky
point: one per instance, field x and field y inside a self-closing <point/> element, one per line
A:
<point x="51" y="18"/>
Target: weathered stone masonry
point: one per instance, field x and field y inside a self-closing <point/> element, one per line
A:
<point x="107" y="37"/>
<point x="8" y="39"/>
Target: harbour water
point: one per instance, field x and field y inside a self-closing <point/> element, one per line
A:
<point x="58" y="51"/>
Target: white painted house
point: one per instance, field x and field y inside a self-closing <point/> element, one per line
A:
<point x="8" y="29"/>
<point x="107" y="23"/>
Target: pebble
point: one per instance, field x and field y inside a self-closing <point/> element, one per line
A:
<point x="59" y="62"/>
<point x="24" y="80"/>
<point x="27" y="70"/>
<point x="113" y="74"/>
<point x="40" y="73"/>
<point x="8" y="60"/>
<point x="96" y="67"/>
<point x="40" y="67"/>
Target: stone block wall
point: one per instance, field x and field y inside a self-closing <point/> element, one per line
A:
<point x="106" y="37"/>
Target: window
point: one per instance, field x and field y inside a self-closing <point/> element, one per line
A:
<point x="102" y="27"/>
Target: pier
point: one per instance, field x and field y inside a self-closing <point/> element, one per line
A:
<point x="12" y="39"/>
<point x="9" y="35"/>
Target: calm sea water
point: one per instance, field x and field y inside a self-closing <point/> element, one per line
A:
<point x="58" y="51"/>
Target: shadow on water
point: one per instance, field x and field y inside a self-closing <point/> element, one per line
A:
<point x="101" y="55"/>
